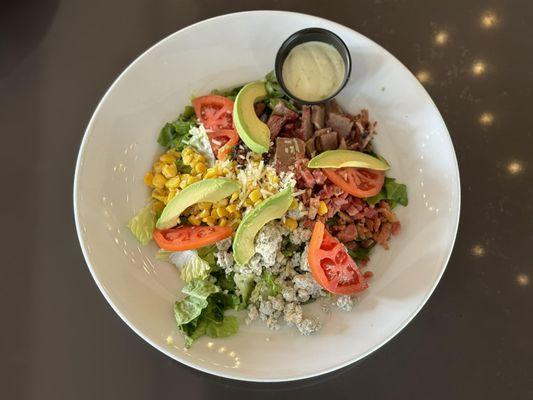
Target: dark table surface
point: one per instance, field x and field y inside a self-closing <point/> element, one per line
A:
<point x="61" y="340"/>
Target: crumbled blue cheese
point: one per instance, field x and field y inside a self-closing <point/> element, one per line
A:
<point x="268" y="243"/>
<point x="300" y="235"/>
<point x="304" y="263"/>
<point x="252" y="314"/>
<point x="200" y="141"/>
<point x="224" y="245"/>
<point x="308" y="326"/>
<point x="225" y="260"/>
<point x="307" y="282"/>
<point x="293" y="314"/>
<point x="345" y="302"/>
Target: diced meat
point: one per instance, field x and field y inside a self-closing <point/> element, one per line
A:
<point x="348" y="234"/>
<point x="310" y="148"/>
<point x="383" y="236"/>
<point x="396" y="228"/>
<point x="327" y="141"/>
<point x="318" y="114"/>
<point x="342" y="144"/>
<point x="313" y="207"/>
<point x="384" y="208"/>
<point x="319" y="176"/>
<point x="275" y="123"/>
<point x="282" y="110"/>
<point x="307" y="179"/>
<point x="259" y="108"/>
<point x="307" y="127"/>
<point x="340" y="123"/>
<point x="288" y="151"/>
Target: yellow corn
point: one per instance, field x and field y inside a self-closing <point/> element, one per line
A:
<point x="200" y="168"/>
<point x="192" y="179"/>
<point x="167" y="158"/>
<point x="160" y="197"/>
<point x="209" y="221"/>
<point x="169" y="171"/>
<point x="223" y="203"/>
<point x="183" y="184"/>
<point x="222" y="221"/>
<point x="237" y="214"/>
<point x="187" y="151"/>
<point x="255" y="195"/>
<point x="211" y="173"/>
<point x="221" y="212"/>
<point x="198" y="158"/>
<point x="214" y="213"/>
<point x="148" y="178"/>
<point x="231" y="208"/>
<point x="174" y="153"/>
<point x="171" y="195"/>
<point x="248" y="203"/>
<point x="157" y="167"/>
<point x="186" y="158"/>
<point x="322" y="208"/>
<point x="294" y="205"/>
<point x="204" y="214"/>
<point x="159" y="181"/>
<point x="234" y="196"/>
<point x="194" y="220"/>
<point x="204" y="205"/>
<point x="173" y="183"/>
<point x="291" y="223"/>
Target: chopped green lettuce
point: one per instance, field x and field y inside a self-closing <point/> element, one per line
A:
<point x="275" y="94"/>
<point x="197" y="292"/>
<point x="393" y="192"/>
<point x="266" y="287"/>
<point x="245" y="285"/>
<point x="142" y="225"/>
<point x="175" y="134"/>
<point x="229" y="93"/>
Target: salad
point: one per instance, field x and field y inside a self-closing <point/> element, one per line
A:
<point x="264" y="205"/>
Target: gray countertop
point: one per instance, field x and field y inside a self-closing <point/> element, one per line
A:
<point x="61" y="340"/>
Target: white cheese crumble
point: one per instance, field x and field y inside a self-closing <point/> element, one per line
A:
<point x="200" y="141"/>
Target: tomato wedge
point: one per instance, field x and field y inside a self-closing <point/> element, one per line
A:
<point x="360" y="182"/>
<point x="190" y="237"/>
<point x="331" y="265"/>
<point x="222" y="141"/>
<point x="214" y="112"/>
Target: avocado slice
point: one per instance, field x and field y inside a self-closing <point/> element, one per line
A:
<point x="347" y="158"/>
<point x="209" y="190"/>
<point x="253" y="132"/>
<point x="272" y="208"/>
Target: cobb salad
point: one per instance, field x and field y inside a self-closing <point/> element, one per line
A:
<point x="265" y="205"/>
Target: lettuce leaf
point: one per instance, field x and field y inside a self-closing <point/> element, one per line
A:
<point x="191" y="265"/>
<point x="175" y="134"/>
<point x="142" y="225"/>
<point x="393" y="192"/>
<point x="191" y="307"/>
<point x="245" y="285"/>
<point x="266" y="287"/>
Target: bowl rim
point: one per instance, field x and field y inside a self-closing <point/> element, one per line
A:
<point x="183" y="360"/>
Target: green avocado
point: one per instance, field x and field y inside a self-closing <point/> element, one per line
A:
<point x="347" y="158"/>
<point x="272" y="208"/>
<point x="209" y="190"/>
<point x="253" y="132"/>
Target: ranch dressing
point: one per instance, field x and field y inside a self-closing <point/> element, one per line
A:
<point x="313" y="71"/>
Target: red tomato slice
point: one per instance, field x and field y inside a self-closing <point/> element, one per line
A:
<point x="360" y="182"/>
<point x="214" y="112"/>
<point x="331" y="265"/>
<point x="222" y="141"/>
<point x="190" y="237"/>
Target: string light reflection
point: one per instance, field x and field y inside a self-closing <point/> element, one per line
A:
<point x="423" y="76"/>
<point x="489" y="20"/>
<point x="522" y="280"/>
<point x="478" y="250"/>
<point x="479" y="67"/>
<point x="515" y="167"/>
<point x="441" y="38"/>
<point x="486" y="119"/>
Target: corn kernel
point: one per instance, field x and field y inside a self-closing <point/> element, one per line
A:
<point x="173" y="183"/>
<point x="255" y="195"/>
<point x="214" y="213"/>
<point x="204" y="205"/>
<point x="237" y="214"/>
<point x="211" y="173"/>
<point x="291" y="223"/>
<point x="204" y="214"/>
<point x="221" y="211"/>
<point x="248" y="203"/>
<point x="159" y="181"/>
<point x="198" y="158"/>
<point x="157" y="167"/>
<point x="200" y="168"/>
<point x="174" y="153"/>
<point x="170" y="195"/>
<point x="209" y="221"/>
<point x="234" y="196"/>
<point x="222" y="221"/>
<point x="186" y="158"/>
<point x="194" y="220"/>
<point x="223" y="203"/>
<point x="231" y="208"/>
<point x="322" y="208"/>
<point x="170" y="171"/>
<point x="192" y="179"/>
<point x="148" y="178"/>
<point x="275" y="179"/>
<point x="159" y="197"/>
<point x="187" y="151"/>
<point x="294" y="205"/>
<point x="183" y="184"/>
<point x="167" y="158"/>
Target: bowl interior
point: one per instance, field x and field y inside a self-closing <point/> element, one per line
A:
<point x="120" y="145"/>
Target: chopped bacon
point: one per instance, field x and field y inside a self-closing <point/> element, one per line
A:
<point x="348" y="234"/>
<point x="313" y="207"/>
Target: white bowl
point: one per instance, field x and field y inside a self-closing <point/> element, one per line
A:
<point x="120" y="145"/>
